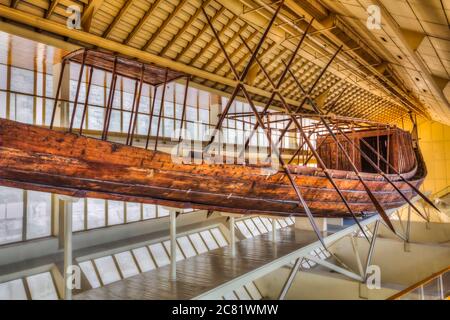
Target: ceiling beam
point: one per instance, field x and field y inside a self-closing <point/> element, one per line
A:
<point x="143" y="21"/>
<point x="199" y="33"/>
<point x="185" y="27"/>
<point x="288" y="31"/>
<point x="212" y="41"/>
<point x="14" y="3"/>
<point x="89" y="12"/>
<point x="117" y="18"/>
<point x="113" y="46"/>
<point x="164" y="24"/>
<point x="51" y="8"/>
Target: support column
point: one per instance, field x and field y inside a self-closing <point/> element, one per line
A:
<point x="68" y="259"/>
<point x="173" y="245"/>
<point x="287" y="285"/>
<point x="274" y="230"/>
<point x="232" y="236"/>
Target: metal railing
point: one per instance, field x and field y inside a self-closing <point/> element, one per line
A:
<point x="434" y="287"/>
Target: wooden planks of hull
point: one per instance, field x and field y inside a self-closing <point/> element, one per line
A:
<point x="45" y="160"/>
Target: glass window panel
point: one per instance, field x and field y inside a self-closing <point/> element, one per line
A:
<point x="48" y="111"/>
<point x="42" y="287"/>
<point x="107" y="270"/>
<point x="288" y="221"/>
<point x="259" y="224"/>
<point x="159" y="254"/>
<point x="22" y="80"/>
<point x="163" y="211"/>
<point x="39" y="212"/>
<point x="144" y="259"/>
<point x="13" y="290"/>
<point x="267" y="223"/>
<point x="115" y="212"/>
<point x="219" y="237"/>
<point x="230" y="296"/>
<point x="204" y="115"/>
<point x="96" y="213"/>
<point x="192" y="97"/>
<point x="128" y="99"/>
<point x="2" y="104"/>
<point x="11" y="215"/>
<point x="186" y="246"/>
<point x="277" y="224"/>
<point x="243" y="294"/>
<point x="133" y="212"/>
<point x="89" y="271"/>
<point x="126" y="264"/>
<point x="198" y="243"/>
<point x="179" y="253"/>
<point x="191" y="114"/>
<point x="95" y="118"/>
<point x="149" y="211"/>
<point x="3" y="76"/>
<point x="126" y="121"/>
<point x="243" y="229"/>
<point x="144" y="105"/>
<point x="142" y="124"/>
<point x="209" y="240"/>
<point x="169" y="127"/>
<point x="23" y="108"/>
<point x="282" y="222"/>
<point x="253" y="291"/>
<point x="251" y="226"/>
<point x="203" y="98"/>
<point x="114" y="124"/>
<point x="78" y="215"/>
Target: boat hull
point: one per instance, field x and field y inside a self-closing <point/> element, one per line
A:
<point x="36" y="158"/>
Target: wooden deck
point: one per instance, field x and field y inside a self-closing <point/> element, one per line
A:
<point x="203" y="273"/>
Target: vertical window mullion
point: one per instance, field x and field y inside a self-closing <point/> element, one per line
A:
<point x="85" y="214"/>
<point x="25" y="215"/>
<point x="35" y="75"/>
<point x="106" y="213"/>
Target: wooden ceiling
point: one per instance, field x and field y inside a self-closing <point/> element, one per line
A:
<point x="177" y="30"/>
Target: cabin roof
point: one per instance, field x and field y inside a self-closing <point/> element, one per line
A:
<point x="126" y="67"/>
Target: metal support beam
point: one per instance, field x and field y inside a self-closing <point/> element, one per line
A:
<point x="356" y="253"/>
<point x="277" y="263"/>
<point x="371" y="248"/>
<point x="287" y="285"/>
<point x="334" y="267"/>
<point x="51" y="8"/>
<point x="89" y="12"/>
<point x="173" y="245"/>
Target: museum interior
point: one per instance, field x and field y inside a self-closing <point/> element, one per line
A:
<point x="224" y="150"/>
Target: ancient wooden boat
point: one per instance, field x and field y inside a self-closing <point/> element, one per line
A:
<point x="36" y="158"/>
<point x="352" y="178"/>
